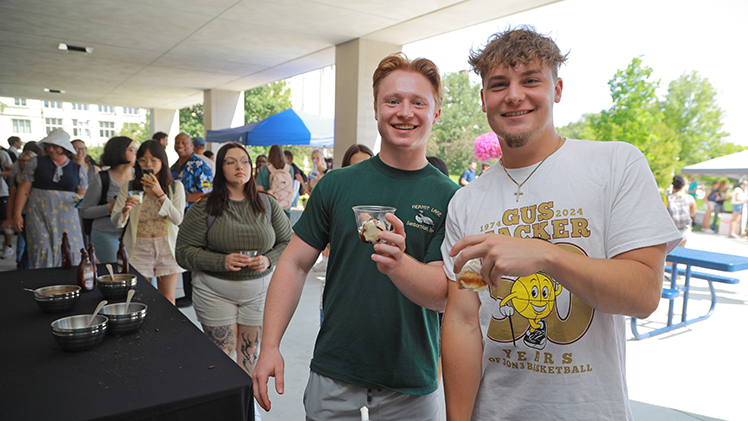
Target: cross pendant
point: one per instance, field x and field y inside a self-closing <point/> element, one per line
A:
<point x="519" y="192"/>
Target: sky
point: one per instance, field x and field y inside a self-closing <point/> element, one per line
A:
<point x="673" y="37"/>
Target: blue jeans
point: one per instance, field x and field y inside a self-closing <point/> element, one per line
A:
<point x="106" y="245"/>
<point x="20" y="247"/>
<point x="718" y="207"/>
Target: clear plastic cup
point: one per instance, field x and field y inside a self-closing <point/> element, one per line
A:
<point x="370" y="221"/>
<point x="469" y="278"/>
<point x="250" y="253"/>
<point x="136" y="194"/>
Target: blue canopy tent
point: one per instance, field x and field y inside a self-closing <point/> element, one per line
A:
<point x="290" y="127"/>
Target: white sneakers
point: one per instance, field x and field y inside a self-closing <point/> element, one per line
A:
<point x="8" y="253"/>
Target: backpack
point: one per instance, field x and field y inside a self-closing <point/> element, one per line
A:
<point x="679" y="210"/>
<point x="12" y="156"/>
<point x="88" y="223"/>
<point x="281" y="186"/>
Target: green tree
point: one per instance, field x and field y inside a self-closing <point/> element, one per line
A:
<point x="264" y="101"/>
<point x="191" y="121"/>
<point x="635" y="118"/>
<point x="690" y="109"/>
<point x="453" y="137"/>
<point x="138" y="132"/>
<point x="580" y="129"/>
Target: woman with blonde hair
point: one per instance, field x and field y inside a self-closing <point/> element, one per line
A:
<point x="320" y="169"/>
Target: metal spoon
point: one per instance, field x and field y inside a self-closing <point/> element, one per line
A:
<point x="98" y="308"/>
<point x="111" y="271"/>
<point x="29" y="290"/>
<point x="130" y="293"/>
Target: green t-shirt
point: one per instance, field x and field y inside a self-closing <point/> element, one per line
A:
<point x="372" y="335"/>
<point x="263" y="177"/>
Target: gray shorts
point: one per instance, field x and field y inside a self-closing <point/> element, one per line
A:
<point x="219" y="302"/>
<point x="326" y="399"/>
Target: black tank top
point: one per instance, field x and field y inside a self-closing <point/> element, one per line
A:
<point x="45" y="172"/>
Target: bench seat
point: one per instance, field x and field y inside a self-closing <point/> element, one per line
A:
<point x="706" y="276"/>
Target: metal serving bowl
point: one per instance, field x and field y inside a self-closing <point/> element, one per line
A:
<point x="116" y="289"/>
<point x="121" y="322"/>
<point x="57" y="298"/>
<point x="72" y="334"/>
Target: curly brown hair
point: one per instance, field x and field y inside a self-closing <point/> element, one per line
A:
<point x="514" y="47"/>
<point x="399" y="61"/>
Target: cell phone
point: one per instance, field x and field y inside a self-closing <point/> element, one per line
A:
<point x="148" y="171"/>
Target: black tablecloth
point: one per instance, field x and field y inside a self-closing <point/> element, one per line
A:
<point x="168" y="370"/>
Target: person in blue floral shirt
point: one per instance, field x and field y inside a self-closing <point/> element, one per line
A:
<point x="195" y="174"/>
<point x="197" y="178"/>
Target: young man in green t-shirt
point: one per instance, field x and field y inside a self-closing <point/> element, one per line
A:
<point x="378" y="344"/>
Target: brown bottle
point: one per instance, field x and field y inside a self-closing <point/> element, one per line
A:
<point x="67" y="256"/>
<point x="122" y="264"/>
<point x="86" y="277"/>
<point x="92" y="258"/>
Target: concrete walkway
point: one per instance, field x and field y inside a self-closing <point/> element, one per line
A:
<point x="686" y="375"/>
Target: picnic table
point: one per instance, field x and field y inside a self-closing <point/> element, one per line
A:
<point x="691" y="258"/>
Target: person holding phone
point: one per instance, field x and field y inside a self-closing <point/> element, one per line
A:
<point x="152" y="226"/>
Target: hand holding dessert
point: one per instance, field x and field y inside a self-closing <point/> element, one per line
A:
<point x="391" y="246"/>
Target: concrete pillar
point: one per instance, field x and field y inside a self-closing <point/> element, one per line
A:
<point x="221" y="110"/>
<point x="355" y="62"/>
<point x="167" y="121"/>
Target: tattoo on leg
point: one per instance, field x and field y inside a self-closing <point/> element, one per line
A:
<point x="221" y="336"/>
<point x="250" y="349"/>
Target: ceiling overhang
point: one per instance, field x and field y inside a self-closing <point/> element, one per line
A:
<point x="164" y="54"/>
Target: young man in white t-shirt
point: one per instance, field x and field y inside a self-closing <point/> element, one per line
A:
<point x="583" y="236"/>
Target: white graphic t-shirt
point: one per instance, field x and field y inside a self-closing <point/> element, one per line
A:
<point x="548" y="355"/>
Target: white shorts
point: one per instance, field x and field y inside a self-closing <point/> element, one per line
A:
<point x="221" y="303"/>
<point x="152" y="257"/>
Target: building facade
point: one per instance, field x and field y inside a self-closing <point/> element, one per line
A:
<point x="94" y="124"/>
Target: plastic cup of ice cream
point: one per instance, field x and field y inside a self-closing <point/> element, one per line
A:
<point x="370" y="222"/>
<point x="136" y="194"/>
<point x="469" y="278"/>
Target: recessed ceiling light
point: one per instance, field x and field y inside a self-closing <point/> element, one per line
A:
<point x="54" y="91"/>
<point x="65" y="47"/>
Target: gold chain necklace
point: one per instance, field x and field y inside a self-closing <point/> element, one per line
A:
<point x="519" y="185"/>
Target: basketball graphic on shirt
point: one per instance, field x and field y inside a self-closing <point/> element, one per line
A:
<point x="566" y="317"/>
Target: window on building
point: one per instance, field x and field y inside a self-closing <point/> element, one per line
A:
<point x="52" y="104"/>
<point x="21" y="102"/>
<point x="21" y="126"/>
<point x="130" y="110"/>
<point x="79" y="106"/>
<point x="106" y="129"/>
<point x="52" y="123"/>
<point x="106" y="109"/>
<point x="80" y="128"/>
